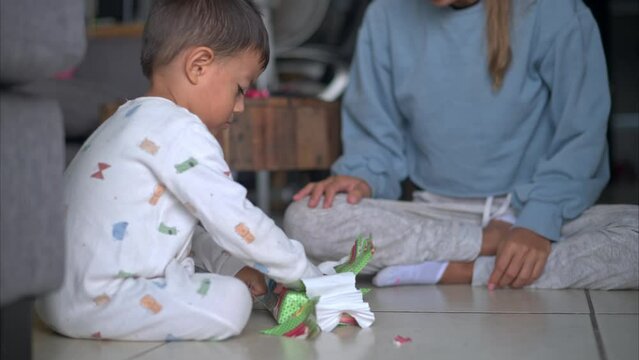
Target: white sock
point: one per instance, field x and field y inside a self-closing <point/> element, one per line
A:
<point x="426" y="273"/>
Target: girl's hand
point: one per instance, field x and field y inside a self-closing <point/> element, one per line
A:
<point x="520" y="260"/>
<point x="356" y="189"/>
<point x="493" y="235"/>
<point x="253" y="279"/>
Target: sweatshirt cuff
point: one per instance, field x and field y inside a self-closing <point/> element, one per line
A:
<point x="543" y="218"/>
<point x="311" y="271"/>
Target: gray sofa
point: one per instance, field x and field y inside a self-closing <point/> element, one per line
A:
<point x="110" y="71"/>
<point x="38" y="38"/>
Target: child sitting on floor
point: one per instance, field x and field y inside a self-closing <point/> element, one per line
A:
<point x="138" y="188"/>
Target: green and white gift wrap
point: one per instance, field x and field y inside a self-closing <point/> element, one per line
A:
<point x="331" y="299"/>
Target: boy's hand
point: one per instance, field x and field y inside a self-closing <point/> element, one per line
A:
<point x="253" y="279"/>
<point x="356" y="189"/>
<point x="520" y="260"/>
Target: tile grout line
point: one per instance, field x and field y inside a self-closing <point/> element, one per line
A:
<point x="595" y="327"/>
<point x="617" y="313"/>
<point x="145" y="351"/>
<point x="480" y="312"/>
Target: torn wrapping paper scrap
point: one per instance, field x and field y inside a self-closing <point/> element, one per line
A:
<point x="334" y="298"/>
<point x="399" y="340"/>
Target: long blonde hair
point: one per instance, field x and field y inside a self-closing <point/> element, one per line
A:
<point x="498" y="35"/>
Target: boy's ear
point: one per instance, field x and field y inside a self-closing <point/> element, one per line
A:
<point x="197" y="63"/>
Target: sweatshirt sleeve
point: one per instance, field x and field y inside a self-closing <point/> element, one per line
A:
<point x="195" y="172"/>
<point x="372" y="137"/>
<point x="571" y="175"/>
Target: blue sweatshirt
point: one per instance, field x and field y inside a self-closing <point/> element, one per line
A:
<point x="420" y="105"/>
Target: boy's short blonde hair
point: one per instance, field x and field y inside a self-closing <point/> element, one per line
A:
<point x="228" y="27"/>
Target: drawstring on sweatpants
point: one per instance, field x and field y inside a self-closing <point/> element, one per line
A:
<point x="488" y="215"/>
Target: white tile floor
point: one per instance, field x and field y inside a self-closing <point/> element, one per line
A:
<point x="444" y="322"/>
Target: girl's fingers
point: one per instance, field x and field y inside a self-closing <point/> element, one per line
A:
<point x="340" y="185"/>
<point x="354" y="196"/>
<point x="330" y="187"/>
<point x="538" y="270"/>
<point x="501" y="264"/>
<point x="304" y="192"/>
<point x="316" y="194"/>
<point x="329" y="194"/>
<point x="525" y="274"/>
<point x="512" y="271"/>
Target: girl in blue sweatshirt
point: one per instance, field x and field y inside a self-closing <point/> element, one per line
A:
<point x="497" y="111"/>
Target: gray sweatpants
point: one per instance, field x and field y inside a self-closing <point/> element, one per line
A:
<point x="598" y="250"/>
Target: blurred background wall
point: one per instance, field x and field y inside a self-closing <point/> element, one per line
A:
<point x="314" y="41"/>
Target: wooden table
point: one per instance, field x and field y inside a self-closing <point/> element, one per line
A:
<point x="283" y="134"/>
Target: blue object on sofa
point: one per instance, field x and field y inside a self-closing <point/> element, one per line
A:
<point x="38" y="38"/>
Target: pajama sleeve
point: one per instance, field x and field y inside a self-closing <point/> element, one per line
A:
<point x="570" y="177"/>
<point x="195" y="172"/>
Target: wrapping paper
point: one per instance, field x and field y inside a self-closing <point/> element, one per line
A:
<point x="361" y="254"/>
<point x="337" y="295"/>
<point x="323" y="302"/>
<point x="301" y="324"/>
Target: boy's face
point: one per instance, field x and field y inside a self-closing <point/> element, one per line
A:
<point x="221" y="92"/>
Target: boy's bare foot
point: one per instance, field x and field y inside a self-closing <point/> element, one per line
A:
<point x="458" y="273"/>
<point x="493" y="234"/>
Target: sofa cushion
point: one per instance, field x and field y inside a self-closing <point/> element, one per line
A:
<point x="109" y="72"/>
<point x="39" y="38"/>
<point x="80" y="101"/>
<point x="31" y="189"/>
<point x="115" y="63"/>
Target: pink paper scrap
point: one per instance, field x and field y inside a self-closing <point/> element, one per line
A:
<point x="399" y="340"/>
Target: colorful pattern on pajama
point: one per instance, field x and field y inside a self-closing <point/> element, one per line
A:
<point x="99" y="174"/>
<point x="186" y="165"/>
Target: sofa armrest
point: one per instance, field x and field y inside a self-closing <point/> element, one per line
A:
<point x="31" y="189"/>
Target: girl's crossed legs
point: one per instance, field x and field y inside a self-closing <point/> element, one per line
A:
<point x="598" y="250"/>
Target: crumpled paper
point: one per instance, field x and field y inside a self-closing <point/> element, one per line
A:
<point x="338" y="295"/>
<point x="323" y="302"/>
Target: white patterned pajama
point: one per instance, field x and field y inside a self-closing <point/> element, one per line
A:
<point x="134" y="196"/>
